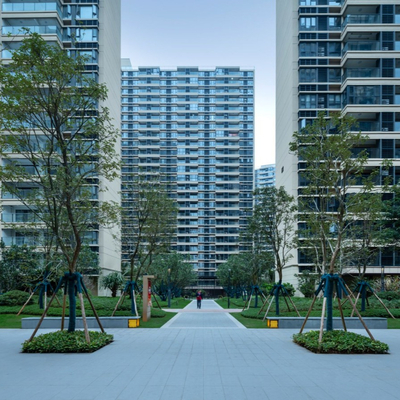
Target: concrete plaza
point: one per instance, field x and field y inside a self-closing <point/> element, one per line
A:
<point x="199" y="354"/>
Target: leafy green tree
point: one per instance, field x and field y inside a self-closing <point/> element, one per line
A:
<point x="173" y="268"/>
<point x="149" y="222"/>
<point x="20" y="266"/>
<point x="391" y="218"/>
<point x="114" y="282"/>
<point x="328" y="206"/>
<point x="245" y="269"/>
<point x="364" y="236"/>
<point x="330" y="168"/>
<point x="307" y="283"/>
<point x="51" y="116"/>
<point x="273" y="220"/>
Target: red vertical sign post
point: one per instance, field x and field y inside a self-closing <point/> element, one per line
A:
<point x="146" y="314"/>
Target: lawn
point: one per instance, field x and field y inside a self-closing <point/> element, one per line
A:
<point x="251" y="318"/>
<point x="104" y="307"/>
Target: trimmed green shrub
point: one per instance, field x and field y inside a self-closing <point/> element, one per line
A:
<point x="67" y="342"/>
<point x="340" y="342"/>
<point x="388" y="295"/>
<point x="14" y="298"/>
<point x="288" y="286"/>
<point x="307" y="283"/>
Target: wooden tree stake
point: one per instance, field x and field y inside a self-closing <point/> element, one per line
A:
<point x="85" y="327"/>
<point x="308" y="314"/>
<point x="321" y="329"/>
<point x="341" y="314"/>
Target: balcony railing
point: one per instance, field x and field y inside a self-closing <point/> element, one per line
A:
<point x="362" y="19"/>
<point x="360" y="73"/>
<point x="42" y="30"/>
<point x="360" y="46"/>
<point x="19" y="240"/>
<point x="30" y="7"/>
<point x="19" y="217"/>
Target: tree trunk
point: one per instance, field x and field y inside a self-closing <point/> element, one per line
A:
<point x="329" y="304"/>
<point x="72" y="304"/>
<point x="276" y="294"/>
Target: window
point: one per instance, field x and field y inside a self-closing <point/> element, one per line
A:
<point x="87" y="12"/>
<point x="308" y="23"/>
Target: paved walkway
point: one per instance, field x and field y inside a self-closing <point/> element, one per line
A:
<point x="215" y="363"/>
<point x="211" y="315"/>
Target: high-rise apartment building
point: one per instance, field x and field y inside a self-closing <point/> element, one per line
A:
<point x="90" y="28"/>
<point x="338" y="55"/>
<point x="264" y="176"/>
<point x="193" y="127"/>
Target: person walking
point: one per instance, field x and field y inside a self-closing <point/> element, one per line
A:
<point x="199" y="296"/>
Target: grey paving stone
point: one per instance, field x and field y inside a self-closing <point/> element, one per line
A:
<point x="215" y="362"/>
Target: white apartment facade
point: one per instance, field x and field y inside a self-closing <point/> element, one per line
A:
<point x="87" y="27"/>
<point x="193" y="127"/>
<point x="338" y="55"/>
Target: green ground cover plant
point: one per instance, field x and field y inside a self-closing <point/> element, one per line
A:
<point x="177" y="303"/>
<point x="104" y="307"/>
<point x="14" y="297"/>
<point x="340" y="342"/>
<point x="67" y="342"/>
<point x="248" y="322"/>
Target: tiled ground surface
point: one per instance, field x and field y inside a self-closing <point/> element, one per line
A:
<point x="216" y="362"/>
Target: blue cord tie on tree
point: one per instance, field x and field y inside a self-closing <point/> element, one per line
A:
<point x="362" y="287"/>
<point x="129" y="288"/>
<point x="43" y="285"/>
<point x="276" y="289"/>
<point x="330" y="282"/>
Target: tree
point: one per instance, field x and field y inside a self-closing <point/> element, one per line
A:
<point x="328" y="202"/>
<point x="391" y="218"/>
<point x="149" y="223"/>
<point x="364" y="237"/>
<point x="114" y="282"/>
<point x="173" y="270"/>
<point x="51" y="117"/>
<point x="20" y="266"/>
<point x="245" y="269"/>
<point x="272" y="222"/>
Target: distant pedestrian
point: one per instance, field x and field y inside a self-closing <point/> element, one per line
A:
<point x="199" y="296"/>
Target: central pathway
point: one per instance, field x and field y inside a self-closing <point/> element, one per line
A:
<point x="211" y="315"/>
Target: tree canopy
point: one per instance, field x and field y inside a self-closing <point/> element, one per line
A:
<point x="334" y="182"/>
<point x="148" y="222"/>
<point x="58" y="145"/>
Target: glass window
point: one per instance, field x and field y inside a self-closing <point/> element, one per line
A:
<point x="87" y="12"/>
<point x="308" y="75"/>
<point x="308" y="23"/>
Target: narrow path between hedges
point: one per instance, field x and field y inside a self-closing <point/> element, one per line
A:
<point x="211" y="315"/>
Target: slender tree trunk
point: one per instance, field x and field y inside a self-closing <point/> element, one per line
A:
<point x="72" y="305"/>
<point x="329" y="304"/>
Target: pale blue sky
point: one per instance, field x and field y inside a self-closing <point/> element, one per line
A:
<point x="209" y="33"/>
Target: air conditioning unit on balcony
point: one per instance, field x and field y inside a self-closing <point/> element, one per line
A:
<point x="385" y="101"/>
<point x="385" y="129"/>
<point x="385" y="48"/>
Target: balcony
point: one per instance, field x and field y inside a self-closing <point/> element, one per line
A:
<point x="18" y="217"/>
<point x="360" y="73"/>
<point x="368" y="126"/>
<point x="42" y="30"/>
<point x="31" y="7"/>
<point x="19" y="240"/>
<point x="361" y="19"/>
<point x="360" y="46"/>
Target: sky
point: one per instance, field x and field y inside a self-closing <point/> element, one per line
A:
<point x="209" y="33"/>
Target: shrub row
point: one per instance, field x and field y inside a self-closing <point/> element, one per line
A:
<point x="14" y="298"/>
